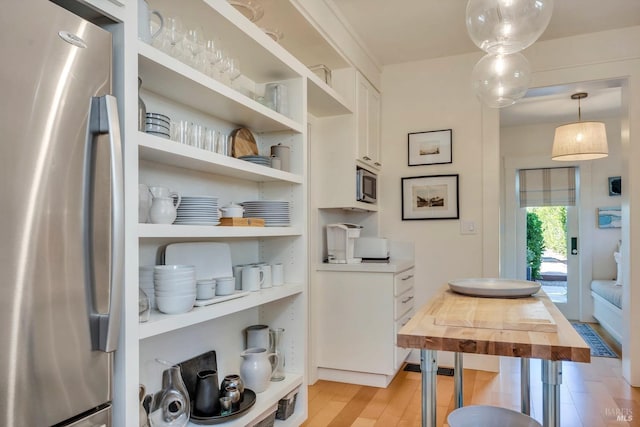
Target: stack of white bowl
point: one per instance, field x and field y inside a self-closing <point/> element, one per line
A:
<point x="145" y="282"/>
<point x="175" y="288"/>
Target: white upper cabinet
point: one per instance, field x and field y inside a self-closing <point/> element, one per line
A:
<point x="368" y="130"/>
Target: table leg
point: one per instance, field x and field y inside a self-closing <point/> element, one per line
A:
<point x="551" y="380"/>
<point x="429" y="368"/>
<point x="525" y="386"/>
<point x="457" y="380"/>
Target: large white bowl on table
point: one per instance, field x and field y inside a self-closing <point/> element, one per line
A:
<point x="494" y="288"/>
<point x="494" y="416"/>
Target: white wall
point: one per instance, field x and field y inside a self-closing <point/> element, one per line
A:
<point x="536" y="141"/>
<point x="436" y="94"/>
<point x="424" y="96"/>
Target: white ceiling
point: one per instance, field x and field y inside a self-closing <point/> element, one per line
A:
<point x="409" y="30"/>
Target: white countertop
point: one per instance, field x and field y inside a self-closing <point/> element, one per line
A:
<point x="394" y="266"/>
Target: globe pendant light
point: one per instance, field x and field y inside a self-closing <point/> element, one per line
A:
<point x="580" y="140"/>
<point x="507" y="26"/>
<point x="500" y="80"/>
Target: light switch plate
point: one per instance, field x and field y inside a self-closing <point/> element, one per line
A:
<point x="468" y="227"/>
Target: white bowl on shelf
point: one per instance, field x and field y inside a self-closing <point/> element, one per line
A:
<point x="168" y="294"/>
<point x="175" y="304"/>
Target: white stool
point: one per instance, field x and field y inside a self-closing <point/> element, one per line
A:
<point x="494" y="416"/>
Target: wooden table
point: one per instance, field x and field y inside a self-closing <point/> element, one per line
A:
<point x="527" y="328"/>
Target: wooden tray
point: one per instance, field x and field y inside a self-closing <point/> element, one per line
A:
<point x="243" y="143"/>
<point x="242" y="222"/>
<point x="522" y="314"/>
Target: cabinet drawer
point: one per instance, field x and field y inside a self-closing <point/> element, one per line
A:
<point x="403" y="303"/>
<point x="401" y="353"/>
<point x="403" y="281"/>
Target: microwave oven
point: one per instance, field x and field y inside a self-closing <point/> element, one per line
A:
<point x="366" y="186"/>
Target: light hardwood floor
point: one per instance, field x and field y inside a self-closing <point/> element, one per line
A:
<point x="591" y="396"/>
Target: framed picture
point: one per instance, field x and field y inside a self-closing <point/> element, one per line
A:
<point x="430" y="148"/>
<point x="615" y="186"/>
<point x="609" y="217"/>
<point x="430" y="197"/>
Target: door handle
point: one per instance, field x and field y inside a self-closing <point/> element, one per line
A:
<point x="105" y="325"/>
<point x="574" y="246"/>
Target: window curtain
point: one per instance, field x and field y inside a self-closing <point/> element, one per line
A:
<point x="547" y="187"/>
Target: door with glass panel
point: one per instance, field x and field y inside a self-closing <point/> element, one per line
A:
<point x="549" y="220"/>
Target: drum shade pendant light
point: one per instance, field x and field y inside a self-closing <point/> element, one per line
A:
<point x="502" y="28"/>
<point x="580" y="140"/>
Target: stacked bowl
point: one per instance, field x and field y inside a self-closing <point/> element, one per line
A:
<point x="175" y="288"/>
<point x="145" y="282"/>
<point x="158" y="124"/>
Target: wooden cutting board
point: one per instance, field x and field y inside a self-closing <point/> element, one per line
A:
<point x="243" y="143"/>
<point x="519" y="314"/>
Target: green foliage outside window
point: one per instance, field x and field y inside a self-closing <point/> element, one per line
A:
<point x="535" y="243"/>
<point x="554" y="226"/>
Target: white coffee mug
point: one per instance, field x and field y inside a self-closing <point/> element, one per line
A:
<point x="237" y="273"/>
<point x="205" y="289"/>
<point x="277" y="274"/>
<point x="252" y="278"/>
<point x="266" y="272"/>
<point x="225" y="285"/>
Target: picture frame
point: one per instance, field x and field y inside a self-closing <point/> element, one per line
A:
<point x="430" y="197"/>
<point x="615" y="186"/>
<point x="430" y="147"/>
<point x="610" y="217"/>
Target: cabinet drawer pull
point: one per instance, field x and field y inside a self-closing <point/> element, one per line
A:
<point x="378" y="164"/>
<point x="366" y="157"/>
<point x="407" y="321"/>
<point x="404" y="301"/>
<point x="407" y="277"/>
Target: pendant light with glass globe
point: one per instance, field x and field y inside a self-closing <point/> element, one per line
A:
<point x="502" y="28"/>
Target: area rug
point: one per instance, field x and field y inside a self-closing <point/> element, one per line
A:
<point x="599" y="348"/>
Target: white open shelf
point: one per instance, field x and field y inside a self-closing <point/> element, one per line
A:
<point x="323" y="100"/>
<point x="172" y="153"/>
<point x="213" y="231"/>
<point x="266" y="400"/>
<point x="168" y="77"/>
<point x="160" y="323"/>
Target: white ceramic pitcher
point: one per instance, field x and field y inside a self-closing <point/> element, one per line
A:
<point x="164" y="210"/>
<point x="256" y="368"/>
<point x="144" y="22"/>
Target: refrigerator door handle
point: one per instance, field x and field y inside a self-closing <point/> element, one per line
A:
<point x="105" y="327"/>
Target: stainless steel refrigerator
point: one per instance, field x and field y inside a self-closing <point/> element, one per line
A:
<point x="61" y="218"/>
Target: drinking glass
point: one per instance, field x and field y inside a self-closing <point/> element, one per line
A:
<point x="173" y="36"/>
<point x="194" y="45"/>
<point x="210" y="139"/>
<point x="213" y="54"/>
<point x="234" y="69"/>
<point x="181" y="131"/>
<point x="197" y="135"/>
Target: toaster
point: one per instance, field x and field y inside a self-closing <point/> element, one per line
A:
<point x="374" y="248"/>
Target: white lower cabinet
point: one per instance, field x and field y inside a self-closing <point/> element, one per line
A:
<point x="357" y="316"/>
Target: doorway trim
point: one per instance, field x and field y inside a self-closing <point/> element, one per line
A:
<point x="514" y="245"/>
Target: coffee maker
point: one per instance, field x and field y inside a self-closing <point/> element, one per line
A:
<point x="341" y="243"/>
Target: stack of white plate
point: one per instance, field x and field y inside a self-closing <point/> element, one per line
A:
<point x="145" y="282"/>
<point x="175" y="288"/>
<point x="275" y="213"/>
<point x="258" y="160"/>
<point x="198" y="210"/>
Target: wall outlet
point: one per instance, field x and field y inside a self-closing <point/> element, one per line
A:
<point x="468" y="227"/>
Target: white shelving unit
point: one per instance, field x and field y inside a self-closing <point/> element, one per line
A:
<point x="172" y="87"/>
<point x="179" y="91"/>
